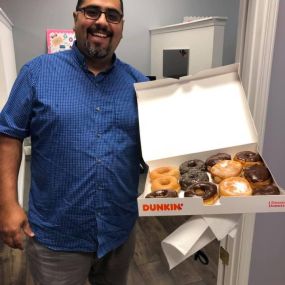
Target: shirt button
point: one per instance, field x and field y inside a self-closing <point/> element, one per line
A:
<point x="98" y="160"/>
<point x="98" y="135"/>
<point x="98" y="109"/>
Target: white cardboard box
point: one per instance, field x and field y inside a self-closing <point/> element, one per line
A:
<point x="192" y="118"/>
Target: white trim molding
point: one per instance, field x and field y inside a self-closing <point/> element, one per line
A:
<point x="255" y="48"/>
<point x="257" y="58"/>
<point x="195" y="24"/>
<point x="5" y="20"/>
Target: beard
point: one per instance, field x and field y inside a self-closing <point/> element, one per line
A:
<point x="96" y="51"/>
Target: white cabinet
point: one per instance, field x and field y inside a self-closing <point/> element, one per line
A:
<point x="7" y="58"/>
<point x="204" y="38"/>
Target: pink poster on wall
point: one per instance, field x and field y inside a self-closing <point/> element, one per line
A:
<point x="59" y="40"/>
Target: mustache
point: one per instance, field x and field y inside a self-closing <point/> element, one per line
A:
<point x="99" y="29"/>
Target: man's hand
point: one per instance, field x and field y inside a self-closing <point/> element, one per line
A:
<point x="14" y="225"/>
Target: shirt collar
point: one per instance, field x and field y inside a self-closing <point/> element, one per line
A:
<point x="82" y="60"/>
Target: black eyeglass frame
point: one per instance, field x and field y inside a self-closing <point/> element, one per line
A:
<point x="102" y="11"/>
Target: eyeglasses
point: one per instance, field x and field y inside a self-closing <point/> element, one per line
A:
<point x="94" y="13"/>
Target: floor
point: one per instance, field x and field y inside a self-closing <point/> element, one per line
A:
<point x="149" y="266"/>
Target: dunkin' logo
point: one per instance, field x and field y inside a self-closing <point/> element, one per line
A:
<point x="276" y="204"/>
<point x="162" y="207"/>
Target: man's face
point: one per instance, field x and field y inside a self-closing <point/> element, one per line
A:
<point x="98" y="39"/>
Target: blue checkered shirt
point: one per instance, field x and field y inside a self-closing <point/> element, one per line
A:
<point x="85" y="150"/>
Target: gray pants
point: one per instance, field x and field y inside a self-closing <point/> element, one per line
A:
<point x="49" y="267"/>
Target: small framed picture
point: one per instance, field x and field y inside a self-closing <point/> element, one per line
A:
<point x="59" y="40"/>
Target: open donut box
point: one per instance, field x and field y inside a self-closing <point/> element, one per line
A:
<point x="195" y="117"/>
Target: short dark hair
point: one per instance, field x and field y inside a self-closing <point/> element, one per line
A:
<point x="79" y="3"/>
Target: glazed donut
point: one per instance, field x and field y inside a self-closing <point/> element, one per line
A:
<point x="164" y="171"/>
<point x="224" y="169"/>
<point x="164" y="193"/>
<point x="257" y="175"/>
<point x="192" y="177"/>
<point x="235" y="186"/>
<point x="192" y="164"/>
<point x="247" y="158"/>
<point x="266" y="190"/>
<point x="206" y="190"/>
<point x="212" y="160"/>
<point x="165" y="182"/>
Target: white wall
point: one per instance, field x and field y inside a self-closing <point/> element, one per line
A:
<point x="268" y="252"/>
<point x="143" y="15"/>
<point x="32" y="17"/>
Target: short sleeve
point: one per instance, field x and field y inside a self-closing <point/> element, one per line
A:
<point x="16" y="115"/>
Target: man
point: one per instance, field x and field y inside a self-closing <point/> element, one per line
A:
<point x="80" y="110"/>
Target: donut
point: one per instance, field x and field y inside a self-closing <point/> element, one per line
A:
<point x="165" y="182"/>
<point x="164" y="170"/>
<point x="192" y="164"/>
<point x="212" y="160"/>
<point x="235" y="186"/>
<point x="247" y="158"/>
<point x="163" y="193"/>
<point x="192" y="177"/>
<point x="206" y="190"/>
<point x="257" y="175"/>
<point x="266" y="190"/>
<point x="224" y="169"/>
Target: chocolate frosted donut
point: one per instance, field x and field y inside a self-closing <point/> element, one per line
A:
<point x="164" y="193"/>
<point x="194" y="176"/>
<point x="257" y="175"/>
<point x="212" y="160"/>
<point x="206" y="190"/>
<point x="266" y="190"/>
<point x="248" y="158"/>
<point x="192" y="164"/>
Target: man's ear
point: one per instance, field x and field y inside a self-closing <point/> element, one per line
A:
<point x="123" y="22"/>
<point x="75" y="15"/>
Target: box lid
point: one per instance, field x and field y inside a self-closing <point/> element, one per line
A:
<point x="194" y="114"/>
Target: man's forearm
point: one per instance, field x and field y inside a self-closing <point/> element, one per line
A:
<point x="10" y="160"/>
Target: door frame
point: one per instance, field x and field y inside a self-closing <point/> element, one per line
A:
<point x="255" y="49"/>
